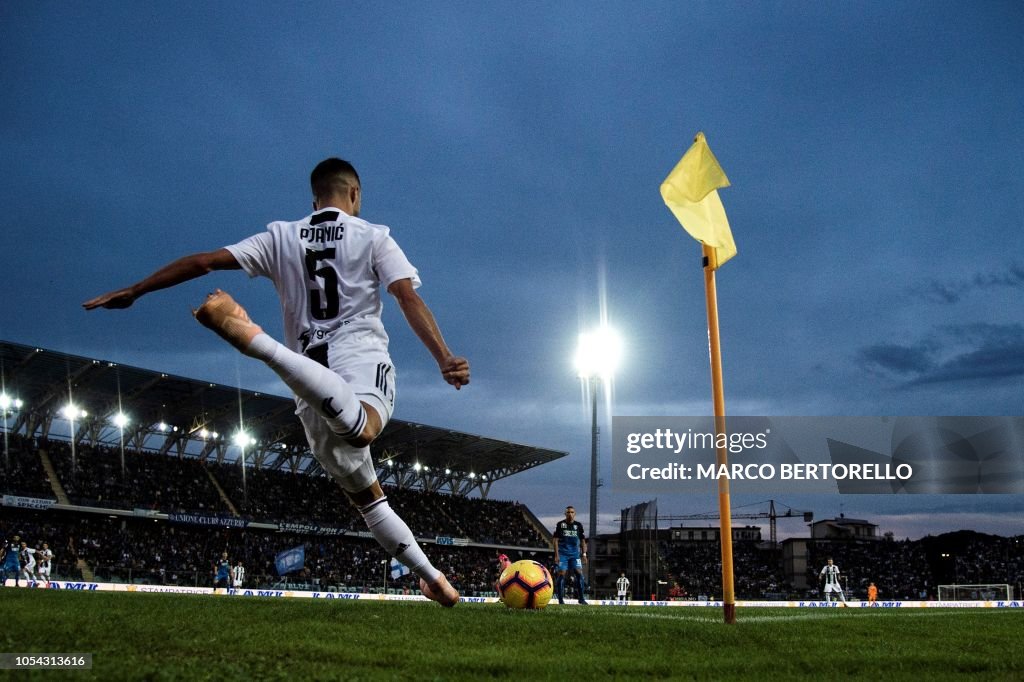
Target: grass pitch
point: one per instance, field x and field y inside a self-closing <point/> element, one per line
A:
<point x="171" y="636"/>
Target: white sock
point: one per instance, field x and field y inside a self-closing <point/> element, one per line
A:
<point x="325" y="391"/>
<point x="394" y="536"/>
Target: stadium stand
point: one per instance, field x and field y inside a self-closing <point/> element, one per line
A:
<point x="147" y="551"/>
<point x="696" y="566"/>
<point x="902" y="569"/>
<point x="158" y="503"/>
<point x="23" y="472"/>
<point x="127" y="548"/>
<point x="95" y="477"/>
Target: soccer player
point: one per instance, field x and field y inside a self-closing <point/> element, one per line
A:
<point x="222" y="568"/>
<point x="830" y="575"/>
<point x="45" y="562"/>
<point x="872" y="594"/>
<point x="238" y="575"/>
<point x="12" y="560"/>
<point x="570" y="545"/>
<point x="28" y="562"/>
<point x="329" y="269"/>
<point x="622" y="587"/>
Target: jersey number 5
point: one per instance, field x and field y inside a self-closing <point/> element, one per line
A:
<point x="330" y="307"/>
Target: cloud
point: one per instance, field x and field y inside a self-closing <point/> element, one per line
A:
<point x="952" y="353"/>
<point x="898" y="359"/>
<point x="953" y="291"/>
<point x="990" y="361"/>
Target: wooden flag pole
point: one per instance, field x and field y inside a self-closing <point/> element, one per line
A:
<point x="718" y="395"/>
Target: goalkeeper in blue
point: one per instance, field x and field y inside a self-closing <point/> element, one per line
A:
<point x="570" y="545"/>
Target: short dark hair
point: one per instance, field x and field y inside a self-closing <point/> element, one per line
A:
<point x="331" y="176"/>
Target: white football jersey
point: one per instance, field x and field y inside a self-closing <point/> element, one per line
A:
<point x="329" y="269"/>
<point x="831" y="574"/>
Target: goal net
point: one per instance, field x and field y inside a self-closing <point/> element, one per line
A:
<point x="975" y="592"/>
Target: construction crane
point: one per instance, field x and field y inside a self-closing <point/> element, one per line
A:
<point x="772" y="515"/>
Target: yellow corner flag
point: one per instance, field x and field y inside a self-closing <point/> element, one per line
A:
<point x="690" y="191"/>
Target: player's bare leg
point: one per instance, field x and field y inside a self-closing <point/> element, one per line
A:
<point x="440" y="591"/>
<point x="229" y="320"/>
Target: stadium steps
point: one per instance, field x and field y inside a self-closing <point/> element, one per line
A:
<point x="87" y="572"/>
<point x="223" y="495"/>
<point x="51" y="473"/>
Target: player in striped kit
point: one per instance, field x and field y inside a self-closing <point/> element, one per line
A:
<point x="45" y="562"/>
<point x="28" y="562"/>
<point x="830" y="575"/>
<point x="329" y="269"/>
<point x="622" y="587"/>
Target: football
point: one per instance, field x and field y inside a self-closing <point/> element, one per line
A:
<point x="525" y="584"/>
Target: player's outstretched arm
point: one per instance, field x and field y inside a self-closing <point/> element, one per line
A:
<point x="181" y="270"/>
<point x="454" y="369"/>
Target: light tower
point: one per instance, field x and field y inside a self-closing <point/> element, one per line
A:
<point x="597" y="358"/>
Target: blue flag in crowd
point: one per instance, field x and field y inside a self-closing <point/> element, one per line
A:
<point x="398" y="569"/>
<point x="291" y="560"/>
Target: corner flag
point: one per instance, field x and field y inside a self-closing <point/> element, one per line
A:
<point x="691" y="193"/>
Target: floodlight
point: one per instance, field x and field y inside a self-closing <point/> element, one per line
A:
<point x="120" y="420"/>
<point x="597" y="358"/>
<point x="242" y="439"/>
<point x="598" y="353"/>
<point x="71" y="412"/>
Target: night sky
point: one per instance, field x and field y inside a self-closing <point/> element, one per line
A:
<point x="516" y="151"/>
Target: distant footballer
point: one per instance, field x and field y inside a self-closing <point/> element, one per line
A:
<point x="570" y="545"/>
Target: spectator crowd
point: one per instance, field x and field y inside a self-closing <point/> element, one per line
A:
<point x="140" y="549"/>
<point x="132" y="547"/>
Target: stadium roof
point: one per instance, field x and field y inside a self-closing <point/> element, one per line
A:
<point x="192" y="418"/>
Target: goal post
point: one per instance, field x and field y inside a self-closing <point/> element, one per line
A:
<point x="989" y="592"/>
